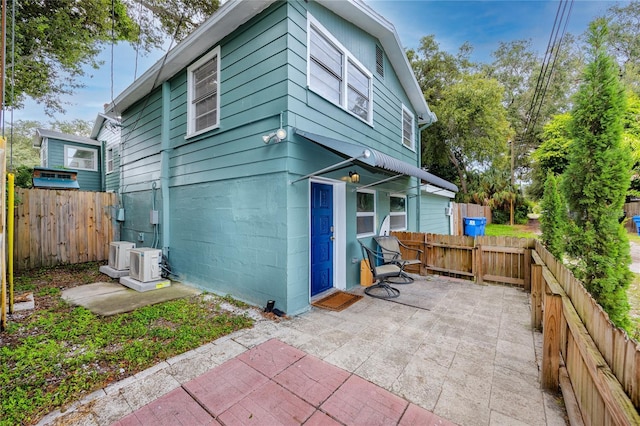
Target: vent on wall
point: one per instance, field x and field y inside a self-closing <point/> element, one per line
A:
<point x="379" y="61"/>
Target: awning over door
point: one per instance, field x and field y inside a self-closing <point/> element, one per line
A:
<point x="375" y="158"/>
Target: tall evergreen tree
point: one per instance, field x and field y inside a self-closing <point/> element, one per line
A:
<point x="597" y="179"/>
<point x="553" y="218"/>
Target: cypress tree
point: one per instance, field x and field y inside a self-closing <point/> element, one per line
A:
<point x="596" y="180"/>
<point x="552" y="220"/>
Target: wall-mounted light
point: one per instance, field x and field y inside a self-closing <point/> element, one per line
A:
<point x="278" y="136"/>
<point x="354" y="176"/>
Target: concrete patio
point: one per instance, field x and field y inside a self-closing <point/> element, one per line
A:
<point x="462" y="351"/>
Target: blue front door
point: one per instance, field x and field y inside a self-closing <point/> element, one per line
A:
<point x="321" y="237"/>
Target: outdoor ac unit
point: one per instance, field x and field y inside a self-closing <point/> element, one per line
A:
<point x="119" y="254"/>
<point x="145" y="264"/>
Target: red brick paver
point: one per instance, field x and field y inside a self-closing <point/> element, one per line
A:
<point x="175" y="408"/>
<point x="277" y="384"/>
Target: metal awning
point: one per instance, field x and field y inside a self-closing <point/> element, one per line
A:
<point x="374" y="158"/>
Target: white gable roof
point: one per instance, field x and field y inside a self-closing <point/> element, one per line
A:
<point x="42" y="134"/>
<point x="234" y="13"/>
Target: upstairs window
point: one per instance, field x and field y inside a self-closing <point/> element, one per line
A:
<point x="366" y="213"/>
<point x="203" y="94"/>
<point x="79" y="158"/>
<point x="109" y="160"/>
<point x="336" y="75"/>
<point x="44" y="155"/>
<point x="398" y="212"/>
<point x="408" y="129"/>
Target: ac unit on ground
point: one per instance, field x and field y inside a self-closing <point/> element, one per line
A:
<point x="119" y="254"/>
<point x="144" y="264"/>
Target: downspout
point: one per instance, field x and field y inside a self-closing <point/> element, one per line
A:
<point x="432" y="119"/>
<point x="164" y="166"/>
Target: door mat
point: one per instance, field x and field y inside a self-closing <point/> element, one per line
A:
<point x="337" y="301"/>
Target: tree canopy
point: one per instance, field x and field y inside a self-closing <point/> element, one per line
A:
<point x="57" y="41"/>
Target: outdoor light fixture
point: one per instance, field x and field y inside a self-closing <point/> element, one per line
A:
<point x="278" y="136"/>
<point x="354" y="176"/>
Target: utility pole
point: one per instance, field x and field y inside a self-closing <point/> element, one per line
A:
<point x="512" y="182"/>
<point x="3" y="62"/>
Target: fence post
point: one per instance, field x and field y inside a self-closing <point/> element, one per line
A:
<point x="536" y="296"/>
<point x="477" y="268"/>
<point x="551" y="340"/>
<point x="527" y="270"/>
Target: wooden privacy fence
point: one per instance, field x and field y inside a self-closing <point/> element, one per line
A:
<point x="496" y="259"/>
<point x="55" y="227"/>
<point x="595" y="364"/>
<point x="462" y="210"/>
<point x="630" y="210"/>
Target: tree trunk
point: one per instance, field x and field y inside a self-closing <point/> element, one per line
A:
<point x="461" y="172"/>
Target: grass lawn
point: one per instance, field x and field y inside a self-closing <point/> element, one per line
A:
<point x="519" y="231"/>
<point x="55" y="354"/>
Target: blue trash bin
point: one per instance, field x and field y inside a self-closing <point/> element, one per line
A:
<point x="474" y="226"/>
<point x="636" y="220"/>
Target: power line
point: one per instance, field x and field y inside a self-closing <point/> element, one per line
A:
<point x="548" y="66"/>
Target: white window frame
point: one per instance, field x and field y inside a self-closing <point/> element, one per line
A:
<point x="44" y="155"/>
<point x="412" y="137"/>
<point x="80" y="148"/>
<point x="348" y="60"/>
<point x="398" y="214"/>
<point x="191" y="106"/>
<point x="109" y="160"/>
<point x="366" y="214"/>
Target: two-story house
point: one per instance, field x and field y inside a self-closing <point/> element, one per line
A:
<point x="270" y="141"/>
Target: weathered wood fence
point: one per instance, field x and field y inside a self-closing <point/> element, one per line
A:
<point x="630" y="210"/>
<point x="504" y="260"/>
<point x="595" y="364"/>
<point x="56" y="227"/>
<point x="462" y="210"/>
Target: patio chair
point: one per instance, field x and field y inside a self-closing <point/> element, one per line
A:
<point x="381" y="274"/>
<point x="390" y="248"/>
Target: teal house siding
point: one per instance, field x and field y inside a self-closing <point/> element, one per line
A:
<point x="433" y="217"/>
<point x="52" y="145"/>
<point x="235" y="210"/>
<point x="106" y="130"/>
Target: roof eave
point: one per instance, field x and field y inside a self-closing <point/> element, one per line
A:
<point x="223" y="22"/>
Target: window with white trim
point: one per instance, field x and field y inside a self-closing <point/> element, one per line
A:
<point x="366" y="212"/>
<point x="109" y="160"/>
<point x="44" y="156"/>
<point x="398" y="212"/>
<point x="335" y="74"/>
<point x="203" y="94"/>
<point x="76" y="157"/>
<point x="408" y="128"/>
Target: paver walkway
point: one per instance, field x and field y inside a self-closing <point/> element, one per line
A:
<point x="462" y="351"/>
<point x="275" y="383"/>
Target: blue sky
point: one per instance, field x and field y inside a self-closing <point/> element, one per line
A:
<point x="482" y="23"/>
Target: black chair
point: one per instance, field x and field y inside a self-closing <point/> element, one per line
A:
<point x="390" y="248"/>
<point x="381" y="274"/>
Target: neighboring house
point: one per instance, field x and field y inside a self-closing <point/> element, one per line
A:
<point x="436" y="214"/>
<point x="106" y="130"/>
<point x="271" y="140"/>
<point x="63" y="151"/>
